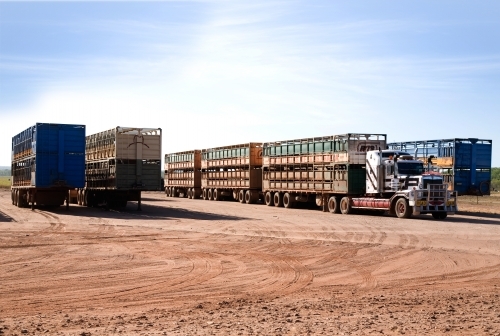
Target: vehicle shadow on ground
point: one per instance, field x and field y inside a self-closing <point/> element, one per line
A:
<point x="149" y="199"/>
<point x="479" y="214"/>
<point x="467" y="219"/>
<point x="148" y="212"/>
<point x="4" y="218"/>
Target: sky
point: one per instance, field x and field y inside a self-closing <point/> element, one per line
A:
<point x="216" y="73"/>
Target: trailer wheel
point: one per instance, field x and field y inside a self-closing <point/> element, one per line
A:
<point x="188" y="192"/>
<point x="241" y="196"/>
<point x="278" y="199"/>
<point x="88" y="199"/>
<point x="204" y="194"/>
<point x="439" y="215"/>
<point x="210" y="194"/>
<point x="345" y="206"/>
<point x="23" y="199"/>
<point x="16" y="197"/>
<point x="12" y="192"/>
<point x="236" y="195"/>
<point x="269" y="198"/>
<point x="251" y="197"/>
<point x="84" y="197"/>
<point x="217" y="195"/>
<point x="288" y="200"/>
<point x="403" y="209"/>
<point x="333" y="205"/>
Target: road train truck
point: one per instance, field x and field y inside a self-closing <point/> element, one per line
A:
<point x="121" y="163"/>
<point x="352" y="171"/>
<point x="48" y="160"/>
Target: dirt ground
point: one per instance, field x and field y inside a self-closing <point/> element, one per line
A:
<point x="194" y="267"/>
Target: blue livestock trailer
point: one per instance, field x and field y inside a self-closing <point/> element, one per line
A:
<point x="48" y="160"/>
<point x="464" y="162"/>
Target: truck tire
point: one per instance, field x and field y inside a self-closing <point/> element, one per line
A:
<point x="210" y="194"/>
<point x="269" y="198"/>
<point x="188" y="192"/>
<point x="334" y="204"/>
<point x="204" y="194"/>
<point x="22" y="199"/>
<point x="439" y="215"/>
<point x="16" y="197"/>
<point x="84" y="197"/>
<point x="251" y="197"/>
<point x="12" y="193"/>
<point x="288" y="200"/>
<point x="247" y="197"/>
<point x="345" y="206"/>
<point x="236" y="195"/>
<point x="217" y="195"/>
<point x="241" y="196"/>
<point x="278" y="199"/>
<point x="403" y="209"/>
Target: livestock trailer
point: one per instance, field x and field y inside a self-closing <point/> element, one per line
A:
<point x="183" y="174"/>
<point x="48" y="160"/>
<point x="121" y="163"/>
<point x="315" y="169"/>
<point x="232" y="172"/>
<point x="465" y="163"/>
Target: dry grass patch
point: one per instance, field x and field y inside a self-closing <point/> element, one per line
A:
<point x="485" y="204"/>
<point x="4" y="181"/>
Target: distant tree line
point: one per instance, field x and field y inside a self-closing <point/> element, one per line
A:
<point x="495" y="178"/>
<point x="4" y="172"/>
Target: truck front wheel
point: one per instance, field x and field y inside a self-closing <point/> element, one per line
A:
<point x="403" y="209"/>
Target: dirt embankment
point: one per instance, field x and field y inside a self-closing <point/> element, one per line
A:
<point x="193" y="267"/>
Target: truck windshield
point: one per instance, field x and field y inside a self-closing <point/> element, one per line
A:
<point x="410" y="168"/>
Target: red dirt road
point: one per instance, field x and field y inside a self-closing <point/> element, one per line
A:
<point x="194" y="267"/>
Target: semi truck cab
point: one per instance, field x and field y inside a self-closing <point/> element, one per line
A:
<point x="397" y="176"/>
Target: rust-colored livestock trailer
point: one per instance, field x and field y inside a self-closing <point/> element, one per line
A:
<point x="183" y="174"/>
<point x="232" y="172"/>
<point x="316" y="169"/>
<point x="120" y="163"/>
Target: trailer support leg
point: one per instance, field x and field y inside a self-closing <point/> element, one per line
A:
<point x="324" y="203"/>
